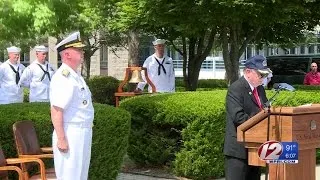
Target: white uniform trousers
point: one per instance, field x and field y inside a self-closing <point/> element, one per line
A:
<point x="73" y="165"/>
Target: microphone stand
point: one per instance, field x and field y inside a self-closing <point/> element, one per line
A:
<point x="268" y="106"/>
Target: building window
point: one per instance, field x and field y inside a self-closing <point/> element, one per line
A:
<point x="318" y="48"/>
<point x="293" y="50"/>
<point x="144" y="54"/>
<point x="273" y="51"/>
<point x="25" y="58"/>
<point x="249" y="52"/>
<point x="174" y="54"/>
<point x="286" y="51"/>
<point x="241" y="64"/>
<point x="219" y="64"/>
<point x="311" y="49"/>
<point x="177" y="63"/>
<point x="207" y="64"/>
<point x="302" y="50"/>
<point x="104" y="56"/>
<point x="257" y="51"/>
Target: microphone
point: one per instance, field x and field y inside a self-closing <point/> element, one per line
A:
<point x="270" y="101"/>
<point x="278" y="87"/>
<point x="283" y="86"/>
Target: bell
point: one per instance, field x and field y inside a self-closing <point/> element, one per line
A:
<point x="136" y="77"/>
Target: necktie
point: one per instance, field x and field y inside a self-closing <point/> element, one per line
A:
<point x="160" y="66"/>
<point x="17" y="73"/>
<point x="45" y="72"/>
<point x="256" y="96"/>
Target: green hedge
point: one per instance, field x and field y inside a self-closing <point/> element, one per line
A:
<point x="103" y="89"/>
<point x="186" y="130"/>
<point x="205" y="83"/>
<point x="110" y="134"/>
<point x="306" y="87"/>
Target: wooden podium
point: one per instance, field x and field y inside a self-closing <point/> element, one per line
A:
<point x="287" y="124"/>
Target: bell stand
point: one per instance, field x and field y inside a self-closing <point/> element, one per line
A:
<point x="129" y="70"/>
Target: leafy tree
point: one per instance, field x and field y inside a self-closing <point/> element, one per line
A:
<point x="192" y="27"/>
<point x="266" y="22"/>
<point x="28" y="21"/>
<point x="16" y="23"/>
<point x="75" y="15"/>
<point x="177" y="21"/>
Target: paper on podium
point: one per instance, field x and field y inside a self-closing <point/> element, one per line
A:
<point x="305" y="105"/>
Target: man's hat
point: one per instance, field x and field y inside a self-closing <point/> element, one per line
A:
<point x="13" y="49"/>
<point x="257" y="62"/>
<point x="158" y="41"/>
<point x="72" y="40"/>
<point x="41" y="48"/>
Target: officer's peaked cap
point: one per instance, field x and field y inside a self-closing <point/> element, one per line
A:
<point x="73" y="40"/>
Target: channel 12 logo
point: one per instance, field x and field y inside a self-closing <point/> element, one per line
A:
<point x="279" y="152"/>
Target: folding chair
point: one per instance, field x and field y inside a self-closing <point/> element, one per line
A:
<point x="8" y="165"/>
<point x="27" y="145"/>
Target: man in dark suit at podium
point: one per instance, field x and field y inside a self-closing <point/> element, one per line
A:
<point x="245" y="98"/>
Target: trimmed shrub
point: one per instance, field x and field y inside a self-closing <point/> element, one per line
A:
<point x="213" y="83"/>
<point x="110" y="134"/>
<point x="110" y="140"/>
<point x="306" y="87"/>
<point x="204" y="83"/>
<point x="179" y="82"/>
<point x="186" y="130"/>
<point x="192" y="126"/>
<point x="103" y="89"/>
<point x="26" y="95"/>
<point x="146" y="146"/>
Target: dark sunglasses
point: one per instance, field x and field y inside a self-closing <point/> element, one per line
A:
<point x="261" y="75"/>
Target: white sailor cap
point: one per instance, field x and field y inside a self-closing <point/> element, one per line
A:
<point x="158" y="41"/>
<point x="41" y="48"/>
<point x="13" y="49"/>
<point x="72" y="40"/>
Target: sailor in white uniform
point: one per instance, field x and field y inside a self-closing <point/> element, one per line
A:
<point x="160" y="69"/>
<point x="72" y="113"/>
<point x="10" y="72"/>
<point x="37" y="76"/>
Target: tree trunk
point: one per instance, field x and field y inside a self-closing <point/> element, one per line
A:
<point x="133" y="46"/>
<point x="85" y="68"/>
<point x="230" y="54"/>
<point x="199" y="49"/>
<point x="194" y="72"/>
<point x="185" y="61"/>
<point x="89" y="50"/>
<point x="233" y="46"/>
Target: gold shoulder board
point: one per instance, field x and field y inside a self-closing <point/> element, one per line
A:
<point x="65" y="72"/>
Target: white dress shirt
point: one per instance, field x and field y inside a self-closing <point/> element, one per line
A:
<point x="71" y="93"/>
<point x="38" y="80"/>
<point x="164" y="81"/>
<point x="10" y="91"/>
